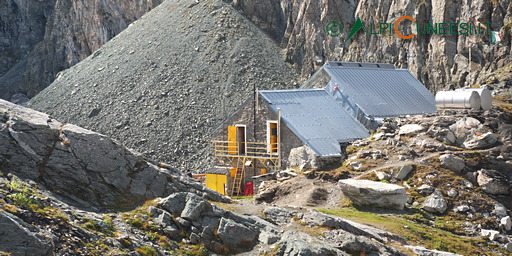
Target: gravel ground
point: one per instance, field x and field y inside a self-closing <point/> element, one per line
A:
<point x="165" y="82"/>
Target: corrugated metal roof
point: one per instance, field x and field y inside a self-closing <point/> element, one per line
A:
<point x="217" y="170"/>
<point x="379" y="91"/>
<point x="316" y="118"/>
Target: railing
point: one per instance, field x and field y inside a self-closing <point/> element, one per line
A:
<point x="245" y="149"/>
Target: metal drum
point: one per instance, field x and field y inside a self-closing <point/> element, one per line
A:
<point x="458" y="99"/>
<point x="485" y="96"/>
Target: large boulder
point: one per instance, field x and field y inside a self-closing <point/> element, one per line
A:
<point x="480" y="140"/>
<point x="451" y="162"/>
<point x="236" y="235"/>
<point x="493" y="182"/>
<point x="470" y="133"/>
<point x="194" y="207"/>
<point x="376" y="194"/>
<point x="303" y="157"/>
<point x="463" y="127"/>
<point x="20" y="238"/>
<point x="435" y="203"/>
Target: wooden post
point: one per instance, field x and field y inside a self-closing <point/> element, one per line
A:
<point x="279" y="138"/>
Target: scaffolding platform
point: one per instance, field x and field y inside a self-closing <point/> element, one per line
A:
<point x="241" y="155"/>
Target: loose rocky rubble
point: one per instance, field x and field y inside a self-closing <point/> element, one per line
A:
<point x="454" y="155"/>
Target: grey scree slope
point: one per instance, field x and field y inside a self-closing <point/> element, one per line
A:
<point x="162" y="84"/>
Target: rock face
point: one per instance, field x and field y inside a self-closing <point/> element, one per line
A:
<point x="371" y="193"/>
<point x="20" y="238"/>
<point x="40" y="38"/>
<point x="80" y="165"/>
<point x="438" y="61"/>
<point x="165" y="82"/>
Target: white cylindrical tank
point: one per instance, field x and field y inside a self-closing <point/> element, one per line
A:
<point x="485" y="96"/>
<point x="458" y="99"/>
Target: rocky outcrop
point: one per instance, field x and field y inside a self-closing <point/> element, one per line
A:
<point x="470" y="133"/>
<point x="165" y="82"/>
<point x="20" y="238"/>
<point x="220" y="230"/>
<point x="375" y="194"/>
<point x="356" y="245"/>
<point x="321" y="219"/>
<point x="294" y="243"/>
<point x="38" y="39"/>
<point x="439" y="61"/>
<point x="83" y="166"/>
<point x="279" y="216"/>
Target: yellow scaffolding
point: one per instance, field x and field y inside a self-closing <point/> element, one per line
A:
<point x="265" y="153"/>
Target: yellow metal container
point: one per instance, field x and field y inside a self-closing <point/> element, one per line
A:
<point x="217" y="182"/>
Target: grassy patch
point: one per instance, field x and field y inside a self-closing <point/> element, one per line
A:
<point x="146" y="251"/>
<point x="369" y="176"/>
<point x="139" y="218"/>
<point x="225" y="206"/>
<point x="191" y="250"/>
<point x="23" y="195"/>
<point x="412" y="227"/>
<point x="312" y="231"/>
<point x="242" y="197"/>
